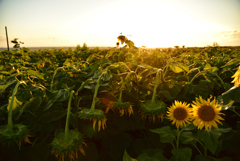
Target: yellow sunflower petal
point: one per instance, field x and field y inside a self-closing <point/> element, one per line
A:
<point x="179" y="113"/>
<point x="206" y="113"/>
<point x="82" y="151"/>
<point x="94" y="124"/>
<point x="99" y="125"/>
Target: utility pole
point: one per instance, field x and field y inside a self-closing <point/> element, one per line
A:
<point x="7" y="37"/>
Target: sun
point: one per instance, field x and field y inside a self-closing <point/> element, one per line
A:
<point x="179" y="113"/>
<point x="206" y="113"/>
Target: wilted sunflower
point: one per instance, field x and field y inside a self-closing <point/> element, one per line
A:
<point x="68" y="146"/>
<point x="206" y="113"/>
<point x="236" y="77"/>
<point x="14" y="135"/>
<point x="179" y="113"/>
<point x="152" y="110"/>
<point x="123" y="107"/>
<point x="96" y="115"/>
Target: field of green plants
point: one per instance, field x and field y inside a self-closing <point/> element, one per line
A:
<point x="120" y="104"/>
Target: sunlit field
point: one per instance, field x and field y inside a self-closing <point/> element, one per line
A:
<point x="120" y="103"/>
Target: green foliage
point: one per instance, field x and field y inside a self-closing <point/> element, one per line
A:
<point x="37" y="83"/>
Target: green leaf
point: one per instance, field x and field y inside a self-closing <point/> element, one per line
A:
<point x="186" y="137"/>
<point x="4" y="86"/>
<point x="142" y="157"/>
<point x="189" y="127"/>
<point x="35" y="73"/>
<point x="177" y="68"/>
<point x="31" y="105"/>
<point x="166" y="94"/>
<point x="52" y="116"/>
<point x="207" y="158"/>
<point x="88" y="81"/>
<point x="210" y="68"/>
<point x="126" y="157"/>
<point x="197" y="90"/>
<point x="16" y="103"/>
<point x="210" y="138"/>
<point x="153" y="154"/>
<point x="183" y="154"/>
<point x="166" y="134"/>
<point x="231" y="95"/>
<point x="59" y="95"/>
<point x="234" y="62"/>
<point x="207" y="67"/>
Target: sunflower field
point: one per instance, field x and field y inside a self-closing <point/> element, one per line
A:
<point x="120" y="104"/>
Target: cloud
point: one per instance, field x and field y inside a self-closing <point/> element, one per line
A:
<point x="229" y="36"/>
<point x="51" y="38"/>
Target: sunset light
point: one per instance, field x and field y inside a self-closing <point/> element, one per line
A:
<point x="154" y="23"/>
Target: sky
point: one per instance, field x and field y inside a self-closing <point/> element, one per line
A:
<point x="150" y="23"/>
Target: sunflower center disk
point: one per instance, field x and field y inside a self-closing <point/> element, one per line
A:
<point x="180" y="114"/>
<point x="206" y="113"/>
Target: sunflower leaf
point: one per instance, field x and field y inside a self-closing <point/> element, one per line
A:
<point x="209" y="138"/>
<point x="166" y="134"/>
<point x="186" y="137"/>
<point x="184" y="154"/>
<point x="126" y="157"/>
<point x="179" y="67"/>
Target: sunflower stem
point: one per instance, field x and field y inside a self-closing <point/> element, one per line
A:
<point x="178" y="136"/>
<point x="223" y="84"/>
<point x="205" y="151"/>
<point x="95" y="92"/>
<point x="177" y="142"/>
<point x="55" y="72"/>
<point x="196" y="76"/>
<point x="155" y="87"/>
<point x="166" y="68"/>
<point x="68" y="114"/>
<point x="10" y="123"/>
<point x="198" y="150"/>
<point x="120" y="95"/>
<point x="235" y="112"/>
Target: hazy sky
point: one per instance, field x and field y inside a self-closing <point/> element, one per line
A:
<point x="152" y="23"/>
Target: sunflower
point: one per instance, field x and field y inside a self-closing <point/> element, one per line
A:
<point x="236" y="77"/>
<point x="15" y="135"/>
<point x="179" y="113"/>
<point x="206" y="113"/>
<point x="152" y="110"/>
<point x="96" y="115"/>
<point x="68" y="146"/>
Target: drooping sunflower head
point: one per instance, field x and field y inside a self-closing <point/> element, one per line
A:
<point x="206" y="113"/>
<point x="236" y="77"/>
<point x="123" y="107"/>
<point x="14" y="136"/>
<point x="179" y="113"/>
<point x="153" y="110"/>
<point x="68" y="146"/>
<point x="96" y="115"/>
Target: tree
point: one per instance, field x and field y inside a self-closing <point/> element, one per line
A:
<point x="16" y="43"/>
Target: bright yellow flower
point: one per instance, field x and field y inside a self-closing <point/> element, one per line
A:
<point x="236" y="77"/>
<point x="206" y="113"/>
<point x="179" y="113"/>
